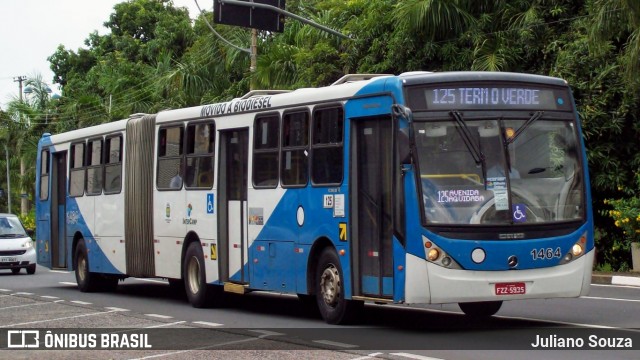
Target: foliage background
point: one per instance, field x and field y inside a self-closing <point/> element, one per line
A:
<point x="156" y="58"/>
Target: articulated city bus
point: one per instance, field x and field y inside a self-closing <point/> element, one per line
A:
<point x="454" y="187"/>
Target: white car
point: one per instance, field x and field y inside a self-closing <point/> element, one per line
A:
<point x="16" y="247"/>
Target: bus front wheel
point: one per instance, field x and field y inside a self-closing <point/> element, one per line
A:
<point x="480" y="309"/>
<point x="334" y="308"/>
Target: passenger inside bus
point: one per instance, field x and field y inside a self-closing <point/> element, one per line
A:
<point x="176" y="182"/>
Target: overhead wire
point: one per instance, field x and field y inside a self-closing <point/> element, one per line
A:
<point x="139" y="91"/>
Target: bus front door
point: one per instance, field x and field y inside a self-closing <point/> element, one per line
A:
<point x="371" y="205"/>
<point x="232" y="203"/>
<point x="58" y="210"/>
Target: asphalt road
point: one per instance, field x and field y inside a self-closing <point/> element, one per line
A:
<point x="272" y="326"/>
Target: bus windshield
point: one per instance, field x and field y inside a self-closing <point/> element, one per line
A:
<point x="530" y="170"/>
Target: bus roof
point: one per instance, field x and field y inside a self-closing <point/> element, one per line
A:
<point x="340" y="91"/>
<point x="470" y="76"/>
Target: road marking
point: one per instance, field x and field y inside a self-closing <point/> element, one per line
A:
<point x="116" y="309"/>
<point x="160" y="316"/>
<point x="164" y="325"/>
<point x="266" y="333"/>
<point x="25" y="305"/>
<point x="56" y="319"/>
<point x="547" y="321"/>
<point x="22" y="293"/>
<point x="368" y="356"/>
<point x="616" y="286"/>
<point x="414" y="356"/>
<point x="80" y="302"/>
<point x="205" y="347"/>
<point x="49" y="297"/>
<point x="68" y="283"/>
<point x="162" y="355"/>
<point x="60" y="271"/>
<point x="5" y="290"/>
<point x="335" y="343"/>
<point x="612" y="299"/>
<point x="207" y="323"/>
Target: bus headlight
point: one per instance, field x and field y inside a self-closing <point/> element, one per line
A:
<point x="576" y="251"/>
<point x="436" y="255"/>
<point x="433" y="254"/>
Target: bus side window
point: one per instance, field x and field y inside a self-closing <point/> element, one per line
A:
<point x="295" y="149"/>
<point x="44" y="175"/>
<point x="327" y="149"/>
<point x="266" y="159"/>
<point x="200" y="155"/>
<point x="113" y="165"/>
<point x="94" y="167"/>
<point x="77" y="170"/>
<point x="170" y="151"/>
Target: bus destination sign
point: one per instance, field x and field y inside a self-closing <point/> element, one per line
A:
<point x="490" y="97"/>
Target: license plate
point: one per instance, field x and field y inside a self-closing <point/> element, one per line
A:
<point x="511" y="288"/>
<point x="8" y="259"/>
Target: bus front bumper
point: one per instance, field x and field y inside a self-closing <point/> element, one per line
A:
<point x="454" y="286"/>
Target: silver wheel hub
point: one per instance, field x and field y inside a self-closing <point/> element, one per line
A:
<point x="193" y="275"/>
<point x="82" y="268"/>
<point x="330" y="285"/>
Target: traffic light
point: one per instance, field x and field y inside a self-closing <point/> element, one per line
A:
<point x="233" y="12"/>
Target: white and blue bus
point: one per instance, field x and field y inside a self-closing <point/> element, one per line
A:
<point x="454" y="187"/>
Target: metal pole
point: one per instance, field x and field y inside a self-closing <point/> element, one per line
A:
<point x="6" y="153"/>
<point x="23" y="204"/>
<point x="24" y="201"/>
<point x="254" y="57"/>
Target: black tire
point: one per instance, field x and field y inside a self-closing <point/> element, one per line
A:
<point x="333" y="307"/>
<point x="31" y="269"/>
<point x="199" y="293"/>
<point x="480" y="309"/>
<point x="15" y="271"/>
<point x="87" y="281"/>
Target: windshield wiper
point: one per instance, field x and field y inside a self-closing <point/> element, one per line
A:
<point x="11" y="235"/>
<point x="466" y="135"/>
<point x="537" y="115"/>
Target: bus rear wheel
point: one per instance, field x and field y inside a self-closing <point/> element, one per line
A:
<point x="87" y="281"/>
<point x="199" y="293"/>
<point x="334" y="308"/>
<point x="480" y="309"/>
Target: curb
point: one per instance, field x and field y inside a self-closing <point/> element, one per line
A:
<point x="615" y="280"/>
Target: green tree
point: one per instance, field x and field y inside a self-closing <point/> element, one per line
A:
<point x="609" y="113"/>
<point x="117" y="75"/>
<point x="26" y="118"/>
<point x="617" y="23"/>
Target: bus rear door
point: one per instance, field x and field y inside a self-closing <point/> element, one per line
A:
<point x="232" y="214"/>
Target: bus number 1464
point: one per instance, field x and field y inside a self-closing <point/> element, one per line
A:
<point x="545" y="254"/>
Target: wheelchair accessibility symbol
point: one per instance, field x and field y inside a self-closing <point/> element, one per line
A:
<point x="519" y="213"/>
<point x="210" y="204"/>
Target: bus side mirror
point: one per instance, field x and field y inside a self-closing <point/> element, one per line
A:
<point x="404" y="147"/>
